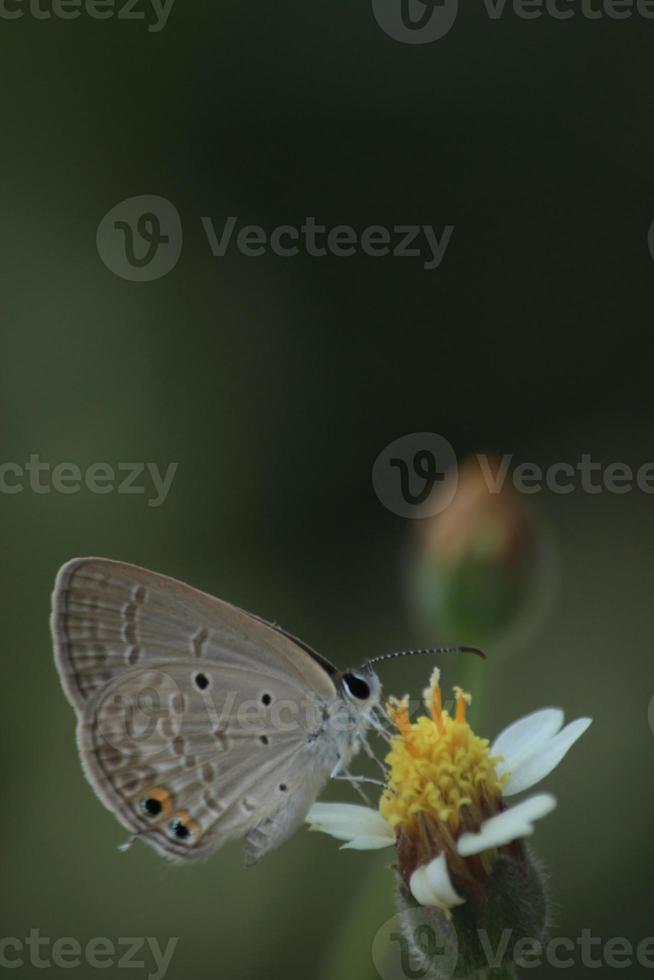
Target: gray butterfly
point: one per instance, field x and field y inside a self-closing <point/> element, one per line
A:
<point x="199" y="723"/>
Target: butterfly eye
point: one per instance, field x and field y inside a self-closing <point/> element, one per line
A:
<point x="357" y="687"/>
<point x="266" y="699"/>
<point x="156" y="802"/>
<point x="201" y="681"/>
<point x="183" y="828"/>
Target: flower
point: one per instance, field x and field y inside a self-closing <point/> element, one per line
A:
<point x="444" y="805"/>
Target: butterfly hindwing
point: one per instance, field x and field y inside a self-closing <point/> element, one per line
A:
<point x="193" y="755"/>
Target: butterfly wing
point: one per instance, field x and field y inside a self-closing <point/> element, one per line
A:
<point x="198" y="722"/>
<point x="191" y="765"/>
<point x="108" y="616"/>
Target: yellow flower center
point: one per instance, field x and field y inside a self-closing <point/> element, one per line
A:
<point x="439" y="768"/>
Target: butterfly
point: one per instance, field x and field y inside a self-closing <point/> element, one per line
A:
<point x="199" y="723"/>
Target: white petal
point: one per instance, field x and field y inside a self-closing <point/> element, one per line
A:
<point x="365" y="842"/>
<point x="544" y="759"/>
<point x="507" y="826"/>
<point x="431" y="885"/>
<point x="362" y="827"/>
<point x="519" y="740"/>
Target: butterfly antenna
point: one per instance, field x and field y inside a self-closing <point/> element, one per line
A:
<point x="432" y="650"/>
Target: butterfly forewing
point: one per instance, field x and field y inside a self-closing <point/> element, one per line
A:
<point x="197" y="722"/>
<point x="109" y="616"/>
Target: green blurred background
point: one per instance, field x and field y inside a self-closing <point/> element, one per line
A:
<point x="275" y="383"/>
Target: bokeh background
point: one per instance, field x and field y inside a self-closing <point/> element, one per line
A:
<point x="274" y="383"/>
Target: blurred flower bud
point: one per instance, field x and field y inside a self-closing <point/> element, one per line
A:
<point x="476" y="559"/>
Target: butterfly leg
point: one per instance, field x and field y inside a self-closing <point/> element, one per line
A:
<point x="378" y="720"/>
<point x="370" y="753"/>
<point x="356" y="781"/>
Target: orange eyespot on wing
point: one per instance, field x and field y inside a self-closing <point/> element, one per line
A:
<point x="184" y="828"/>
<point x="156" y="802"/>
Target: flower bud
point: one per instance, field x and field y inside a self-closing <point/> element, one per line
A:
<point x="476" y="559"/>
